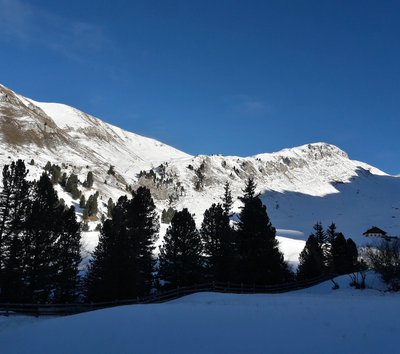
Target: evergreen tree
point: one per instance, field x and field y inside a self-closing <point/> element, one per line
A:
<point x="68" y="248"/>
<point x="122" y="263"/>
<point x="259" y="260"/>
<point x="14" y="203"/>
<point x="331" y="233"/>
<point x="320" y="235"/>
<point x="249" y="192"/>
<point x="55" y="173"/>
<point x="353" y="264"/>
<point x="218" y="244"/>
<point x="72" y="186"/>
<point x="91" y="206"/>
<point x="180" y="255"/>
<point x="344" y="255"/>
<point x="311" y="260"/>
<point x="82" y="202"/>
<point x="143" y="227"/>
<point x="89" y="180"/>
<point x="110" y="207"/>
<point x="167" y="215"/>
<point x="339" y="254"/>
<point x="102" y="280"/>
<point x="63" y="180"/>
<point x="227" y="200"/>
<point x="42" y="231"/>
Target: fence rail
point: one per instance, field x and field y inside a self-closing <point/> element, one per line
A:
<point x="160" y="297"/>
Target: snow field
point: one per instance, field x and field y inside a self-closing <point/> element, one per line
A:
<point x="315" y="320"/>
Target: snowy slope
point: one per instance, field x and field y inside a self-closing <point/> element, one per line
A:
<point x="316" y="320"/>
<point x="300" y="186"/>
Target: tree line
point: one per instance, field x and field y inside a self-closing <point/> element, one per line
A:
<point x="40" y="246"/>
<point x="39" y="240"/>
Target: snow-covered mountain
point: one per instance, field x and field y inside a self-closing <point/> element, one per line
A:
<point x="300" y="186"/>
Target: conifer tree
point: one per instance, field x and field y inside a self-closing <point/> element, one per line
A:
<point x="72" y="186"/>
<point x="14" y="204"/>
<point x="110" y="207"/>
<point x="331" y="233"/>
<point x="180" y="255"/>
<point x="143" y="227"/>
<point x="102" y="280"/>
<point x="218" y="244"/>
<point x="122" y="265"/>
<point x="249" y="192"/>
<point x="91" y="206"/>
<point x="41" y="233"/>
<point x="259" y="258"/>
<point x="352" y="256"/>
<point x="82" y="202"/>
<point x="227" y="200"/>
<point x="339" y="254"/>
<point x="311" y="260"/>
<point x="68" y="248"/>
<point x="89" y="180"/>
<point x="344" y="255"/>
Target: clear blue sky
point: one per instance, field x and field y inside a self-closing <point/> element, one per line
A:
<point x="229" y="77"/>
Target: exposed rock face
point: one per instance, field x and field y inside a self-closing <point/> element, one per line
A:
<point x="80" y="142"/>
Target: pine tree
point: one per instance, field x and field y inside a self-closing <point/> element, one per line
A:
<point x="259" y="259"/>
<point x="110" y="207"/>
<point x="227" y="200"/>
<point x="41" y="233"/>
<point x="122" y="265"/>
<point x="14" y="203"/>
<point x="91" y="206"/>
<point x="331" y="233"/>
<point x="82" y="202"/>
<point x="339" y="254"/>
<point x="311" y="260"/>
<point x="89" y="180"/>
<point x="72" y="186"/>
<point x="180" y="255"/>
<point x="68" y="248"/>
<point x="218" y="244"/>
<point x="143" y="227"/>
<point x="63" y="180"/>
<point x="353" y="264"/>
<point x="344" y="255"/>
<point x="102" y="280"/>
<point x="249" y="192"/>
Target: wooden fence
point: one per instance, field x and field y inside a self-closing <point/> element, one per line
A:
<point x="159" y="297"/>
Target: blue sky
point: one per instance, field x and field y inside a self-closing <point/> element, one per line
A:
<point x="223" y="77"/>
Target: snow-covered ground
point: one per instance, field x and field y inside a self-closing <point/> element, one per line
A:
<point x="316" y="320"/>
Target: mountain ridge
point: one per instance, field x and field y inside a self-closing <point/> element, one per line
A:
<point x="286" y="179"/>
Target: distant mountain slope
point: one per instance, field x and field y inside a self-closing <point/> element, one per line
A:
<point x="300" y="186"/>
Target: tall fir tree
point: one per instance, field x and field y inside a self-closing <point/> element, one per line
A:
<point x="249" y="191"/>
<point x="122" y="265"/>
<point x="227" y="200"/>
<point x="218" y="244"/>
<point x="259" y="258"/>
<point x="89" y="180"/>
<point x="42" y="230"/>
<point x="331" y="233"/>
<point x="181" y="253"/>
<point x="14" y="204"/>
<point x="143" y="226"/>
<point x="68" y="251"/>
<point x="311" y="260"/>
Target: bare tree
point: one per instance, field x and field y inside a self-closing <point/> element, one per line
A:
<point x="384" y="258"/>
